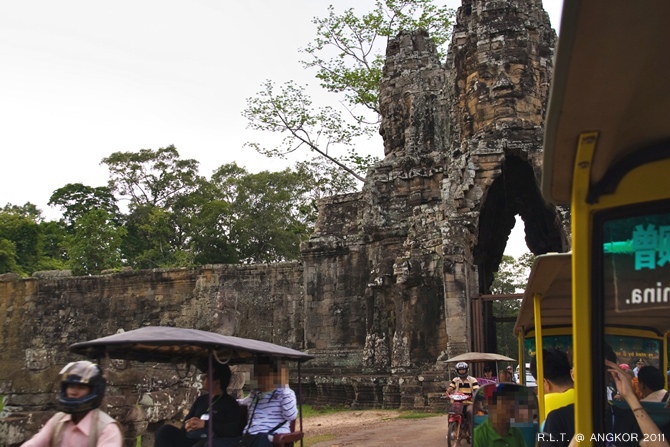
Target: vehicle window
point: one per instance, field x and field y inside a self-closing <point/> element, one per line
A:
<point x="631" y="289"/>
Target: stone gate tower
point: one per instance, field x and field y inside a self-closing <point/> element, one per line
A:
<point x="390" y="271"/>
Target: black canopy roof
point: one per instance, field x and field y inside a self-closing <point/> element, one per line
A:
<point x="172" y="344"/>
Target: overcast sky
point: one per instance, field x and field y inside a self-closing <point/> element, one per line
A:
<point x="81" y="79"/>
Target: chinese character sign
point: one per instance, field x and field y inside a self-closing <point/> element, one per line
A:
<point x="636" y="261"/>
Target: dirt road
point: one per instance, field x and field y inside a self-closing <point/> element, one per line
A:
<point x="374" y="428"/>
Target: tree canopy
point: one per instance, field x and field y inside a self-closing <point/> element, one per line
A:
<point x="347" y="55"/>
<point x="157" y="211"/>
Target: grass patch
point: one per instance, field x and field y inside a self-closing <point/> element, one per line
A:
<point x="416" y="415"/>
<point x="309" y="410"/>
<point x="311" y="440"/>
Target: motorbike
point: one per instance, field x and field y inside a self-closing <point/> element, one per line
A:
<point x="458" y="423"/>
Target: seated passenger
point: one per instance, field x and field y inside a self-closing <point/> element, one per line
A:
<point x="651" y="383"/>
<point x="504" y="376"/>
<point x="271" y="406"/>
<point x="558" y="386"/>
<point x="226" y="414"/>
<point x="511" y="377"/>
<point x="648" y="429"/>
<point x="497" y="429"/>
<point x="488" y="376"/>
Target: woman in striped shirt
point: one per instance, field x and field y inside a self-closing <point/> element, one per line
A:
<point x="272" y="404"/>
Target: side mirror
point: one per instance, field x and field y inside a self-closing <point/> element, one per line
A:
<point x="508" y="411"/>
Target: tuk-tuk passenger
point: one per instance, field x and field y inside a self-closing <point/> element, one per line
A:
<point x="226" y="415"/>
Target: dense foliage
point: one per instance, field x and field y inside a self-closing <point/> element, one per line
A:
<point x="510" y="278"/>
<point x="156" y="211"/>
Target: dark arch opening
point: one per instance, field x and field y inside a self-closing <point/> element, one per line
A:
<point x="514" y="192"/>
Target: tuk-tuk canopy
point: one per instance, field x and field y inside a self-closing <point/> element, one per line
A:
<point x="551" y="277"/>
<point x="172" y="344"/>
<point x="606" y="50"/>
<point x="480" y="357"/>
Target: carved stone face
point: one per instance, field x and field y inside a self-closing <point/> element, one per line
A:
<point x="501" y="91"/>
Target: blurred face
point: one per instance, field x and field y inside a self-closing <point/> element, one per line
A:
<point x="77" y="390"/>
<point x="462" y="372"/>
<point x="505" y="405"/>
<point x="266" y="377"/>
<point x="204" y="378"/>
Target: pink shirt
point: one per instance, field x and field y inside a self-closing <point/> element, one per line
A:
<point x="75" y="435"/>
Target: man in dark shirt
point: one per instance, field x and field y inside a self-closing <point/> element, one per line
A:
<point x="226" y="416"/>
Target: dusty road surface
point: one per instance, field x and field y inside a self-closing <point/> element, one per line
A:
<point x="374" y="428"/>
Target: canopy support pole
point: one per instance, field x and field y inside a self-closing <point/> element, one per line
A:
<point x="210" y="384"/>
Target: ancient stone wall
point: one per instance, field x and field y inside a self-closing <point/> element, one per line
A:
<point x="43" y="316"/>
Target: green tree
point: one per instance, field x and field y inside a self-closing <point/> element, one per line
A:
<point x="510" y="278"/>
<point x="21" y="238"/>
<point x="151" y="240"/>
<point x="28" y="210"/>
<point x="160" y="188"/>
<point x="212" y="236"/>
<point x="8" y="258"/>
<point x="290" y="112"/>
<point x="95" y="244"/>
<point x="54" y="254"/>
<point x="347" y="51"/>
<point x="149" y="177"/>
<point x="77" y="199"/>
<point x="28" y="243"/>
<point x="265" y="215"/>
<point x="512" y="274"/>
<point x="348" y="56"/>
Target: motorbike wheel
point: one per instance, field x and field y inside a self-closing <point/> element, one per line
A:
<point x="453" y="434"/>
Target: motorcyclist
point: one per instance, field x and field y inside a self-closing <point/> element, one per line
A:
<point x="465" y="384"/>
<point x="79" y="423"/>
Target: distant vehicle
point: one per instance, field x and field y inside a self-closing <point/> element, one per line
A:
<point x="530" y="380"/>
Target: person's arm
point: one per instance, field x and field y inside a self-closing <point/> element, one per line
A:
<point x="452" y="386"/>
<point x="192" y="419"/>
<point x="625" y="388"/>
<point x="246" y="401"/>
<point x="289" y="405"/>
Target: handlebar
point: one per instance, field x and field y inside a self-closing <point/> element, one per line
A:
<point x="459" y="397"/>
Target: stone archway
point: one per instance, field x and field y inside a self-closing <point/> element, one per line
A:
<point x="514" y="192"/>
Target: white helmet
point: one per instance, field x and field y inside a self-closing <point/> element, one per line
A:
<point x="86" y="373"/>
<point x="462" y="366"/>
